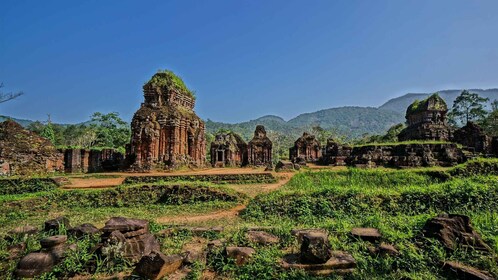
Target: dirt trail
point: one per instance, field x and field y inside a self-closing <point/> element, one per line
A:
<point x="93" y="183"/>
<point x="87" y="182"/>
<point x="229" y="213"/>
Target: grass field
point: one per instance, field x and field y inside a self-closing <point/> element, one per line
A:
<point x="397" y="202"/>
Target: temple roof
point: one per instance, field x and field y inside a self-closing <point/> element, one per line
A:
<point x="169" y="80"/>
<point x="431" y="103"/>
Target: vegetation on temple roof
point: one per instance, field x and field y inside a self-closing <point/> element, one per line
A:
<point x="431" y="103"/>
<point x="166" y="78"/>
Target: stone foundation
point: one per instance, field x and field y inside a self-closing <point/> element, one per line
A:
<point x="406" y="155"/>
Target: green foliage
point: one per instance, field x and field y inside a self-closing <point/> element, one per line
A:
<point x="391" y="136"/>
<point x="418" y="105"/>
<point x="254" y="178"/>
<point x="479" y="166"/>
<point x="102" y="131"/>
<point x="166" y="78"/>
<point x="490" y="122"/>
<point x="467" y="107"/>
<point x="325" y="194"/>
<point x="48" y="132"/>
<point x="141" y="195"/>
<point x="20" y="186"/>
<point x="111" y="130"/>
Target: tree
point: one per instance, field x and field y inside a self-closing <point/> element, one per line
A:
<point x="490" y="123"/>
<point x="48" y="131"/>
<point x="111" y="130"/>
<point x="4" y="97"/>
<point x="467" y="107"/>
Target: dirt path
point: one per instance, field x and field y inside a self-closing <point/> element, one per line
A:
<point x="232" y="212"/>
<point x="89" y="182"/>
<point x="93" y="183"/>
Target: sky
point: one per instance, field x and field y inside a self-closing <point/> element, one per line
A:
<point x="244" y="59"/>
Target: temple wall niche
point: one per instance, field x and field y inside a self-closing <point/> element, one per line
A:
<point x="166" y="132"/>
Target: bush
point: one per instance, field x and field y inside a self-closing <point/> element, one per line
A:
<point x="480" y="166"/>
<point x="20" y="186"/>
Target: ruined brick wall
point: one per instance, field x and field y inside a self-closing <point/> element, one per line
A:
<point x="90" y="161"/>
<point x="306" y="148"/>
<point x="406" y="155"/>
<point x="166" y="131"/>
<point x="473" y="138"/>
<point x="335" y="153"/>
<point x="23" y="152"/>
<point x="72" y="161"/>
<point x="260" y="148"/>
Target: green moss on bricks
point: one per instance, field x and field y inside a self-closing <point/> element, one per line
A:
<point x="166" y="78"/>
<point x="438" y="104"/>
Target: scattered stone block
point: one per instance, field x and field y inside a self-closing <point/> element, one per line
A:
<point x="458" y="270"/>
<point x="55" y="245"/>
<point x="384" y="249"/>
<point x="454" y="230"/>
<point x="195" y="251"/>
<point x="216" y="244"/>
<point x="125" y="225"/>
<point x="156" y="265"/>
<point x="35" y="264"/>
<point x="283" y="166"/>
<point x="298" y="233"/>
<point x="315" y="248"/>
<point x="56" y="224"/>
<point x="339" y="263"/>
<point x="53" y="241"/>
<point x="83" y="230"/>
<point x="366" y="234"/>
<point x="242" y="255"/>
<point x="262" y="238"/>
<point x="22" y="231"/>
<point x="132" y="235"/>
<point x="16" y="250"/>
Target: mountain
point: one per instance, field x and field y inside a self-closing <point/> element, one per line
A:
<point x="399" y="104"/>
<point x="22" y="122"/>
<point x="352" y="122"/>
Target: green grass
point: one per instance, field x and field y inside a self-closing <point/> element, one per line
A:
<point x="398" y="203"/>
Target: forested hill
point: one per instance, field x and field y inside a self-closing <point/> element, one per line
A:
<point x="351" y="122"/>
<point x="399" y="104"/>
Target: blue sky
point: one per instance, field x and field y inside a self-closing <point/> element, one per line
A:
<point x="244" y="59"/>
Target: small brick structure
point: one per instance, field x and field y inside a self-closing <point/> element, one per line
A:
<point x="228" y="149"/>
<point x="260" y="148"/>
<point x="426" y="120"/>
<point x="306" y="148"/>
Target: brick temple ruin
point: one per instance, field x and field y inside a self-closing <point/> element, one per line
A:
<point x="23" y="152"/>
<point x="306" y="149"/>
<point x="426" y="120"/>
<point x="228" y="149"/>
<point x="260" y="148"/>
<point x="166" y="132"/>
